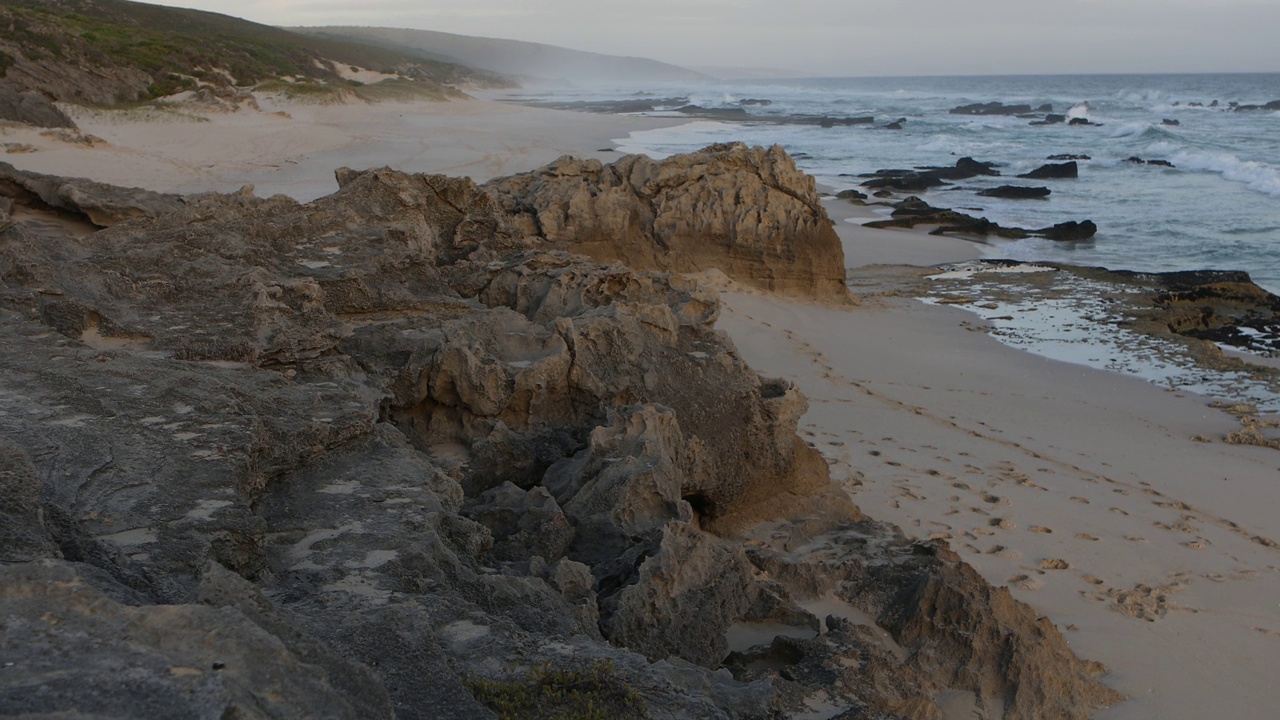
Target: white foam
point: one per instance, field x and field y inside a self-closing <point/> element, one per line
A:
<point x="1257" y="176"/>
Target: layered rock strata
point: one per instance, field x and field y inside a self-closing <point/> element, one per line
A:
<point x="366" y="456"/>
<point x="746" y="211"/>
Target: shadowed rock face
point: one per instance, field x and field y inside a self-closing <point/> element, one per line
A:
<point x="384" y="444"/>
<point x="746" y="211"/>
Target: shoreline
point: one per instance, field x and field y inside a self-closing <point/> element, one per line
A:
<point x="1076" y="475"/>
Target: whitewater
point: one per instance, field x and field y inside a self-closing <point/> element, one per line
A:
<point x="1218" y="207"/>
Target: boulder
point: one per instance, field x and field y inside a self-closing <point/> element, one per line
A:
<point x="31" y="108"/>
<point x="1068" y="156"/>
<point x="1051" y="119"/>
<point x="1053" y="171"/>
<point x="1070" y="231"/>
<point x="1170" y="122"/>
<point x="853" y="196"/>
<point x="1015" y="192"/>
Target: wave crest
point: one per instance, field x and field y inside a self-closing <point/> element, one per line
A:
<point x="1257" y="176"/>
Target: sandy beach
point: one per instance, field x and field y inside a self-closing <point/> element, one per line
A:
<point x="1081" y="490"/>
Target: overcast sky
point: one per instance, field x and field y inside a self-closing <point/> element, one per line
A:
<point x="844" y="37"/>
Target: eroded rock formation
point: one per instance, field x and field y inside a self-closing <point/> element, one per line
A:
<point x="747" y="211"/>
<point x="385" y="446"/>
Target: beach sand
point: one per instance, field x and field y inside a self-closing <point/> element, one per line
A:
<point x="1081" y="490"/>
<point x="293" y="148"/>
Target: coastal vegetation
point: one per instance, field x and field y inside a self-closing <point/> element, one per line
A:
<point x="137" y="52"/>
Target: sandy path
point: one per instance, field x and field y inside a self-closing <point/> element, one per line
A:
<point x="1079" y="489"/>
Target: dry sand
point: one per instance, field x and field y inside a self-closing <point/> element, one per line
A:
<point x="293" y="148"/>
<point x="1080" y="489"/>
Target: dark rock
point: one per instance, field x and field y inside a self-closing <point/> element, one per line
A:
<point x="1051" y="119"/>
<point x="1273" y="105"/>
<point x="990" y="108"/>
<point x="906" y="183"/>
<point x="755" y="101"/>
<point x="976" y="167"/>
<point x="896" y="124"/>
<point x="913" y="211"/>
<point x="851" y="195"/>
<point x="1070" y="231"/>
<point x="882" y="194"/>
<point x="1171" y="122"/>
<point x="1045" y="108"/>
<point x="1068" y="156"/>
<point x="1015" y="192"/>
<point x="725" y="113"/>
<point x="1053" y="171"/>
<point x="1135" y="160"/>
<point x="31" y="108"/>
<point x="1079" y="121"/>
<point x="1161" y="163"/>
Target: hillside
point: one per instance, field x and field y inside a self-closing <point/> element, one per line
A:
<point x="526" y="61"/>
<point x="106" y="52"/>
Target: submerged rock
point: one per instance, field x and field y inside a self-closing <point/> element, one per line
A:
<point x="1015" y="192"/>
<point x="1053" y="171"/>
<point x="992" y="108"/>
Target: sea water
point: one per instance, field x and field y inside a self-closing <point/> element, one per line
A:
<point x="1217" y="208"/>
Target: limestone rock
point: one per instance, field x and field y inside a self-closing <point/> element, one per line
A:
<point x="746" y="211"/>
<point x="391" y="446"/>
<point x="68" y="648"/>
<point x="101" y="204"/>
<point x="30" y="107"/>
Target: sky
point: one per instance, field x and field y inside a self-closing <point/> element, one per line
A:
<point x="843" y="37"/>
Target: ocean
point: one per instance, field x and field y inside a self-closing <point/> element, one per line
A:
<point x="1218" y="207"/>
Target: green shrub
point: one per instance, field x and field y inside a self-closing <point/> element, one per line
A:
<point x="547" y="693"/>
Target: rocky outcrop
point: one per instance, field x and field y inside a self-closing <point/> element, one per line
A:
<point x="1053" y="171"/>
<point x="1069" y="231"/>
<point x="992" y="108"/>
<point x="368" y="456"/>
<point x="30" y="107"/>
<point x="746" y="211"/>
<point x="99" y="203"/>
<point x="923" y="178"/>
<point x="913" y="211"/>
<point x="1015" y="192"/>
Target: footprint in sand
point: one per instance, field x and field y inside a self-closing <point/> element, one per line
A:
<point x="1118" y="511"/>
<point x="1025" y="582"/>
<point x="1197" y="544"/>
<point x="994" y="499"/>
<point x="1040" y="529"/>
<point x="1080" y="500"/>
<point x="1055" y="564"/>
<point x="1092" y="580"/>
<point x="1086" y="536"/>
<point x="1002" y="523"/>
<point x="1134" y="538"/>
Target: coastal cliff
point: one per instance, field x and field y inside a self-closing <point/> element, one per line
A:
<point x="398" y="453"/>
